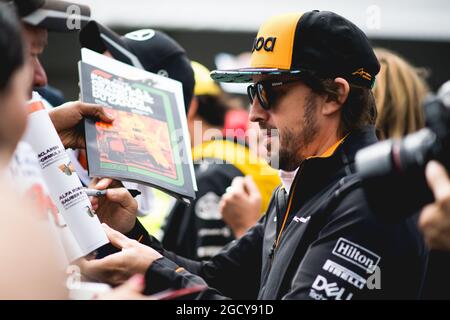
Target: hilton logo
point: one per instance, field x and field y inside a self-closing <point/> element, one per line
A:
<point x="356" y="254"/>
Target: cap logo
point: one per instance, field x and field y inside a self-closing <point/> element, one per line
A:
<point x="141" y="35"/>
<point x="163" y="73"/>
<point x="363" y="74"/>
<point x="267" y="44"/>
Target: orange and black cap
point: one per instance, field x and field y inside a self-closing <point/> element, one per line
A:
<point x="322" y="42"/>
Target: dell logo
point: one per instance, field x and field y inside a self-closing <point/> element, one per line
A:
<point x="267" y="44"/>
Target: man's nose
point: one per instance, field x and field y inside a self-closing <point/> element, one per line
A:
<point x="257" y="113"/>
<point x="39" y="75"/>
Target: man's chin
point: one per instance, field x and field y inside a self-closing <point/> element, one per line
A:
<point x="273" y="159"/>
<point x="280" y="161"/>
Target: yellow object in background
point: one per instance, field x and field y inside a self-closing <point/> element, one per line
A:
<point x="265" y="177"/>
<point x="154" y="220"/>
<point x="204" y="85"/>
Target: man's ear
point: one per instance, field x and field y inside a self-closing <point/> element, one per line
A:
<point x="342" y="91"/>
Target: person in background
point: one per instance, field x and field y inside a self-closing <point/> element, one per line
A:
<point x="30" y="269"/>
<point x="435" y="217"/>
<point x="399" y="93"/>
<point x="15" y="76"/>
<point x="434" y="222"/>
<point x="38" y="18"/>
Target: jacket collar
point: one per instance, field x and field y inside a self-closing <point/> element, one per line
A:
<point x="316" y="173"/>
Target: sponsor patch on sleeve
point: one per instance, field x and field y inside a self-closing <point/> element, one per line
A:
<point x="322" y="289"/>
<point x="356" y="254"/>
<point x="344" y="273"/>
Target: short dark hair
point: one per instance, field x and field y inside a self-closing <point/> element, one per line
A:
<point x="357" y="111"/>
<point x="212" y="109"/>
<point x="11" y="45"/>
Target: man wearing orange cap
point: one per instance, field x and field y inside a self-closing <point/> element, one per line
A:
<point x="311" y="76"/>
<point x="198" y="231"/>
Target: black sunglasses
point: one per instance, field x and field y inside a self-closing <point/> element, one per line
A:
<point x="263" y="90"/>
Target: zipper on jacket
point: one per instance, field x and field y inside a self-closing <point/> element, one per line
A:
<point x="286" y="215"/>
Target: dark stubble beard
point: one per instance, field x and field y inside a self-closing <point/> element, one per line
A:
<point x="294" y="140"/>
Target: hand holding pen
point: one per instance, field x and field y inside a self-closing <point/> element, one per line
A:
<point x="114" y="204"/>
<point x="101" y="193"/>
